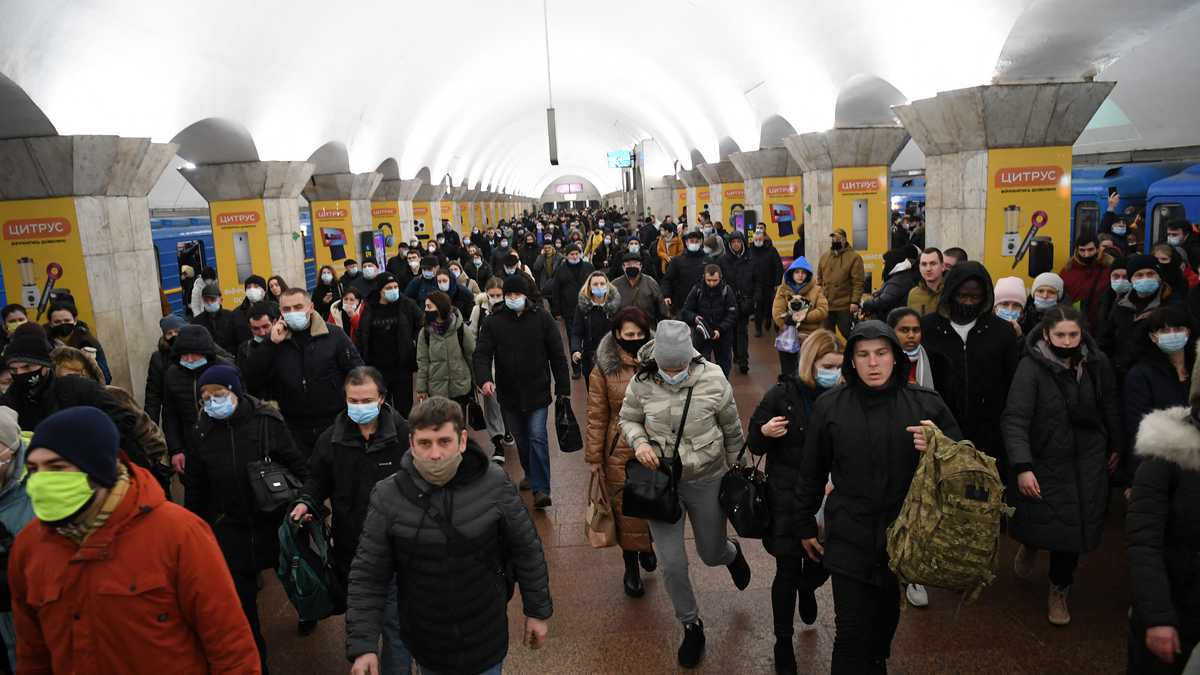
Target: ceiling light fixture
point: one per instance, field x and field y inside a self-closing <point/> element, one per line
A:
<point x="551" y="129"/>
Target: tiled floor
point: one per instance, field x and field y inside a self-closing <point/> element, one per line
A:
<point x="596" y="629"/>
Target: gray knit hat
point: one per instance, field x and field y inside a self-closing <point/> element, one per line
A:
<point x="673" y="345"/>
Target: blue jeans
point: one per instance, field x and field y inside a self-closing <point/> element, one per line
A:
<point x="533" y="445"/>
<point x="394" y="658"/>
<point x="494" y="670"/>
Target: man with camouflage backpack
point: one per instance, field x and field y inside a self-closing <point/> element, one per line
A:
<point x="864" y="433"/>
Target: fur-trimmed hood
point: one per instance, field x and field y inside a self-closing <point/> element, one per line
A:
<point x="612" y="299"/>
<point x="1170" y="435"/>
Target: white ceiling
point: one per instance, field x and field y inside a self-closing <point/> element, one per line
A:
<point x="459" y="86"/>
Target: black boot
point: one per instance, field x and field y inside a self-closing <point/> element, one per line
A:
<point x="692" y="648"/>
<point x="633" y="577"/>
<point x="785" y="656"/>
<point x="807" y="604"/>
<point x="649" y="560"/>
<point x="739" y="569"/>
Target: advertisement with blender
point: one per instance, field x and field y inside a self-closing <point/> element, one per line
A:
<point x="42" y="256"/>
<point x="1028" y="211"/>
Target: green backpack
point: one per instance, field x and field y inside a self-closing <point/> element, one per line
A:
<point x="947" y="533"/>
<point x="306" y="570"/>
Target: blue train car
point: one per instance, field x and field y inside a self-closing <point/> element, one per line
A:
<point x="1090" y="184"/>
<point x="178" y="242"/>
<point x="907" y="192"/>
<point x="1175" y="197"/>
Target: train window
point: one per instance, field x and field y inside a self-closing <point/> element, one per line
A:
<point x="191" y="253"/>
<point x="1163" y="214"/>
<point x="1087" y="217"/>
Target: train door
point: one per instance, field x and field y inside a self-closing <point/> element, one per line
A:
<point x="191" y="253"/>
<point x="1163" y="214"/>
<point x="1087" y="217"/>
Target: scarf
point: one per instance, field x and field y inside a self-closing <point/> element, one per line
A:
<point x="924" y="376"/>
<point x="98" y="513"/>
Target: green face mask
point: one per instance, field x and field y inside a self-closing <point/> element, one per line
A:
<point x="57" y="495"/>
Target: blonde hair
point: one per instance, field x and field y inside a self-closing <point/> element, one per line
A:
<point x="585" y="291"/>
<point x="818" y="343"/>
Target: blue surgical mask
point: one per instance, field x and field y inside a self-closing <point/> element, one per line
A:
<point x="212" y="307"/>
<point x="1145" y="287"/>
<point x="677" y="378"/>
<point x="1174" y="241"/>
<point x="693" y="247"/>
<point x="478" y="262"/>
<point x="600" y="292"/>
<point x="634" y="248"/>
<point x="219" y="407"/>
<point x="362" y="413"/>
<point x="259" y="338"/>
<point x="1008" y="314"/>
<point x="370" y="273"/>
<point x="1119" y="229"/>
<point x="1172" y="342"/>
<point x="296" y="320"/>
<point x="913" y="353"/>
<point x="515" y="305"/>
<point x="444" y="287"/>
<point x="827" y="378"/>
<point x="428" y="274"/>
<point x="1120" y="286"/>
<point x="391" y="294"/>
<point x="1044" y="304"/>
<point x="194" y="365"/>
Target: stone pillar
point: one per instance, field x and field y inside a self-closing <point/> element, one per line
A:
<point x="341" y="202"/>
<point x="75" y="209"/>
<point x="848" y="151"/>
<point x="998" y="148"/>
<point x="405" y="194"/>
<point x="771" y="176"/>
<point x="269" y="189"/>
<point x="697" y="189"/>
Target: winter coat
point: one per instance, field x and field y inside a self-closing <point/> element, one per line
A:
<point x="668" y="249"/>
<point x="768" y="265"/>
<point x="1123" y="335"/>
<point x="219" y="488"/>
<point x="155" y="372"/>
<point x="148" y="594"/>
<point x="453" y="598"/>
<point x="16" y="511"/>
<point x="924" y="299"/>
<point x="333" y="288"/>
<point x="196" y="301"/>
<point x="712" y="433"/>
<point x="419" y="288"/>
<point x="347" y="322"/>
<point x="543" y="268"/>
<point x="742" y="274"/>
<point x="683" y="273"/>
<point x="181" y="394"/>
<point x="717" y="306"/>
<point x="480" y="274"/>
<point x="241" y="320"/>
<point x="592" y="322"/>
<point x="1163" y="524"/>
<point x="344" y="468"/>
<point x="1087" y="284"/>
<point x="893" y="294"/>
<point x="605" y="444"/>
<point x="856" y="436"/>
<point x="220" y="325"/>
<point x="563" y="289"/>
<point x="841" y="275"/>
<point x="975" y="386"/>
<point x="525" y="349"/>
<point x="646" y="295"/>
<point x="444" y="361"/>
<point x="254" y="386"/>
<point x="1150" y="385"/>
<point x="794" y="400"/>
<point x="1061" y="423"/>
<point x="308" y="371"/>
<point x="815" y="294"/>
<point x="82" y="338"/>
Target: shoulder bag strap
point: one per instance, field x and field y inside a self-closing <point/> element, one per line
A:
<point x="687" y="403"/>
<point x="263" y="439"/>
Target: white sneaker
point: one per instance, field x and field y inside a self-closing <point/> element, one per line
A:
<point x="917" y="595"/>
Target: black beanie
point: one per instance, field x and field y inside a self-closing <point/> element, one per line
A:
<point x="516" y="284"/>
<point x="224" y="375"/>
<point x="255" y="279"/>
<point x="1138" y="262"/>
<point x="85" y="437"/>
<point x="29" y="345"/>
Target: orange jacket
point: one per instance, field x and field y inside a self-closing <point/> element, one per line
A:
<point x="667" y="251"/>
<point x="148" y="593"/>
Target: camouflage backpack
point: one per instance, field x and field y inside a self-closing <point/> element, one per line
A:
<point x="947" y="533"/>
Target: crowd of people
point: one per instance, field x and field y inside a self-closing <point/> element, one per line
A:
<point x="363" y="389"/>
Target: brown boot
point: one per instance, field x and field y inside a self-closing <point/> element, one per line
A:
<point x="1057" y="611"/>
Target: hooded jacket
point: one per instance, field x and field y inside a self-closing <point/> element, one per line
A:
<point x="181" y="395"/>
<point x="1061" y="423"/>
<point x="592" y="322"/>
<point x="443" y="362"/>
<point x="1151" y="384"/>
<point x="453" y="595"/>
<point x="768" y="265"/>
<point x="409" y="318"/>
<point x="1163" y="524"/>
<point x="894" y="291"/>
<point x="525" y="348"/>
<point x="563" y="288"/>
<point x="841" y="274"/>
<point x="818" y="308"/>
<point x="740" y="270"/>
<point x="684" y="272"/>
<point x="221" y="326"/>
<point x="975" y="383"/>
<point x="857" y="437"/>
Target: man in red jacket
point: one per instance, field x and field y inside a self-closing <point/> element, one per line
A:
<point x="110" y="577"/>
<point x="1085" y="276"/>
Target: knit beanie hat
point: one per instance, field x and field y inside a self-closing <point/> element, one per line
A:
<point x="211" y="290"/>
<point x="171" y="322"/>
<point x="1010" y="289"/>
<point x="85" y="437"/>
<point x="226" y="376"/>
<point x="255" y="279"/>
<point x="1048" y="279"/>
<point x="10" y="431"/>
<point x="516" y="284"/>
<point x="28" y="344"/>
<point x="673" y="344"/>
<point x="1141" y="261"/>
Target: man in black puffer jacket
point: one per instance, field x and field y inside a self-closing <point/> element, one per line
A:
<point x="861" y="436"/>
<point x="744" y="276"/>
<point x="192" y="353"/>
<point x="451" y="529"/>
<point x="684" y="272"/>
<point x="714" y="304"/>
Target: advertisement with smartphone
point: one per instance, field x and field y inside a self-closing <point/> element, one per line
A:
<point x="1028" y="211"/>
<point x="41" y="253"/>
<point x="332" y="232"/>
<point x="239" y="229"/>
<point x="861" y="208"/>
<point x="783" y="211"/>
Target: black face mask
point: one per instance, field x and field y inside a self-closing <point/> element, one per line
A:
<point x="960" y="313"/>
<point x="29" y="383"/>
<point x="631" y="346"/>
<point x="430" y="317"/>
<point x="1087" y="259"/>
<point x="837" y="245"/>
<point x="632" y="272"/>
<point x="1068" y="353"/>
<point x="62" y="330"/>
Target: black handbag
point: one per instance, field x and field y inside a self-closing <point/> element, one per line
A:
<point x="475" y="417"/>
<point x="653" y="494"/>
<point x="743" y="498"/>
<point x="570" y="439"/>
<point x="273" y="486"/>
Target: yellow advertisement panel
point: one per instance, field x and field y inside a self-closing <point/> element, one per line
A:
<point x="703" y="194"/>
<point x="239" y="229"/>
<point x="333" y="232"/>
<point x="464" y="216"/>
<point x="861" y="208"/>
<point x="733" y="204"/>
<point x="783" y="211"/>
<point x="1028" y="211"/>
<point x="422" y="226"/>
<point x="446" y="211"/>
<point x="479" y="222"/>
<point x="680" y="201"/>
<point x="42" y="253"/>
<point x="385" y="220"/>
